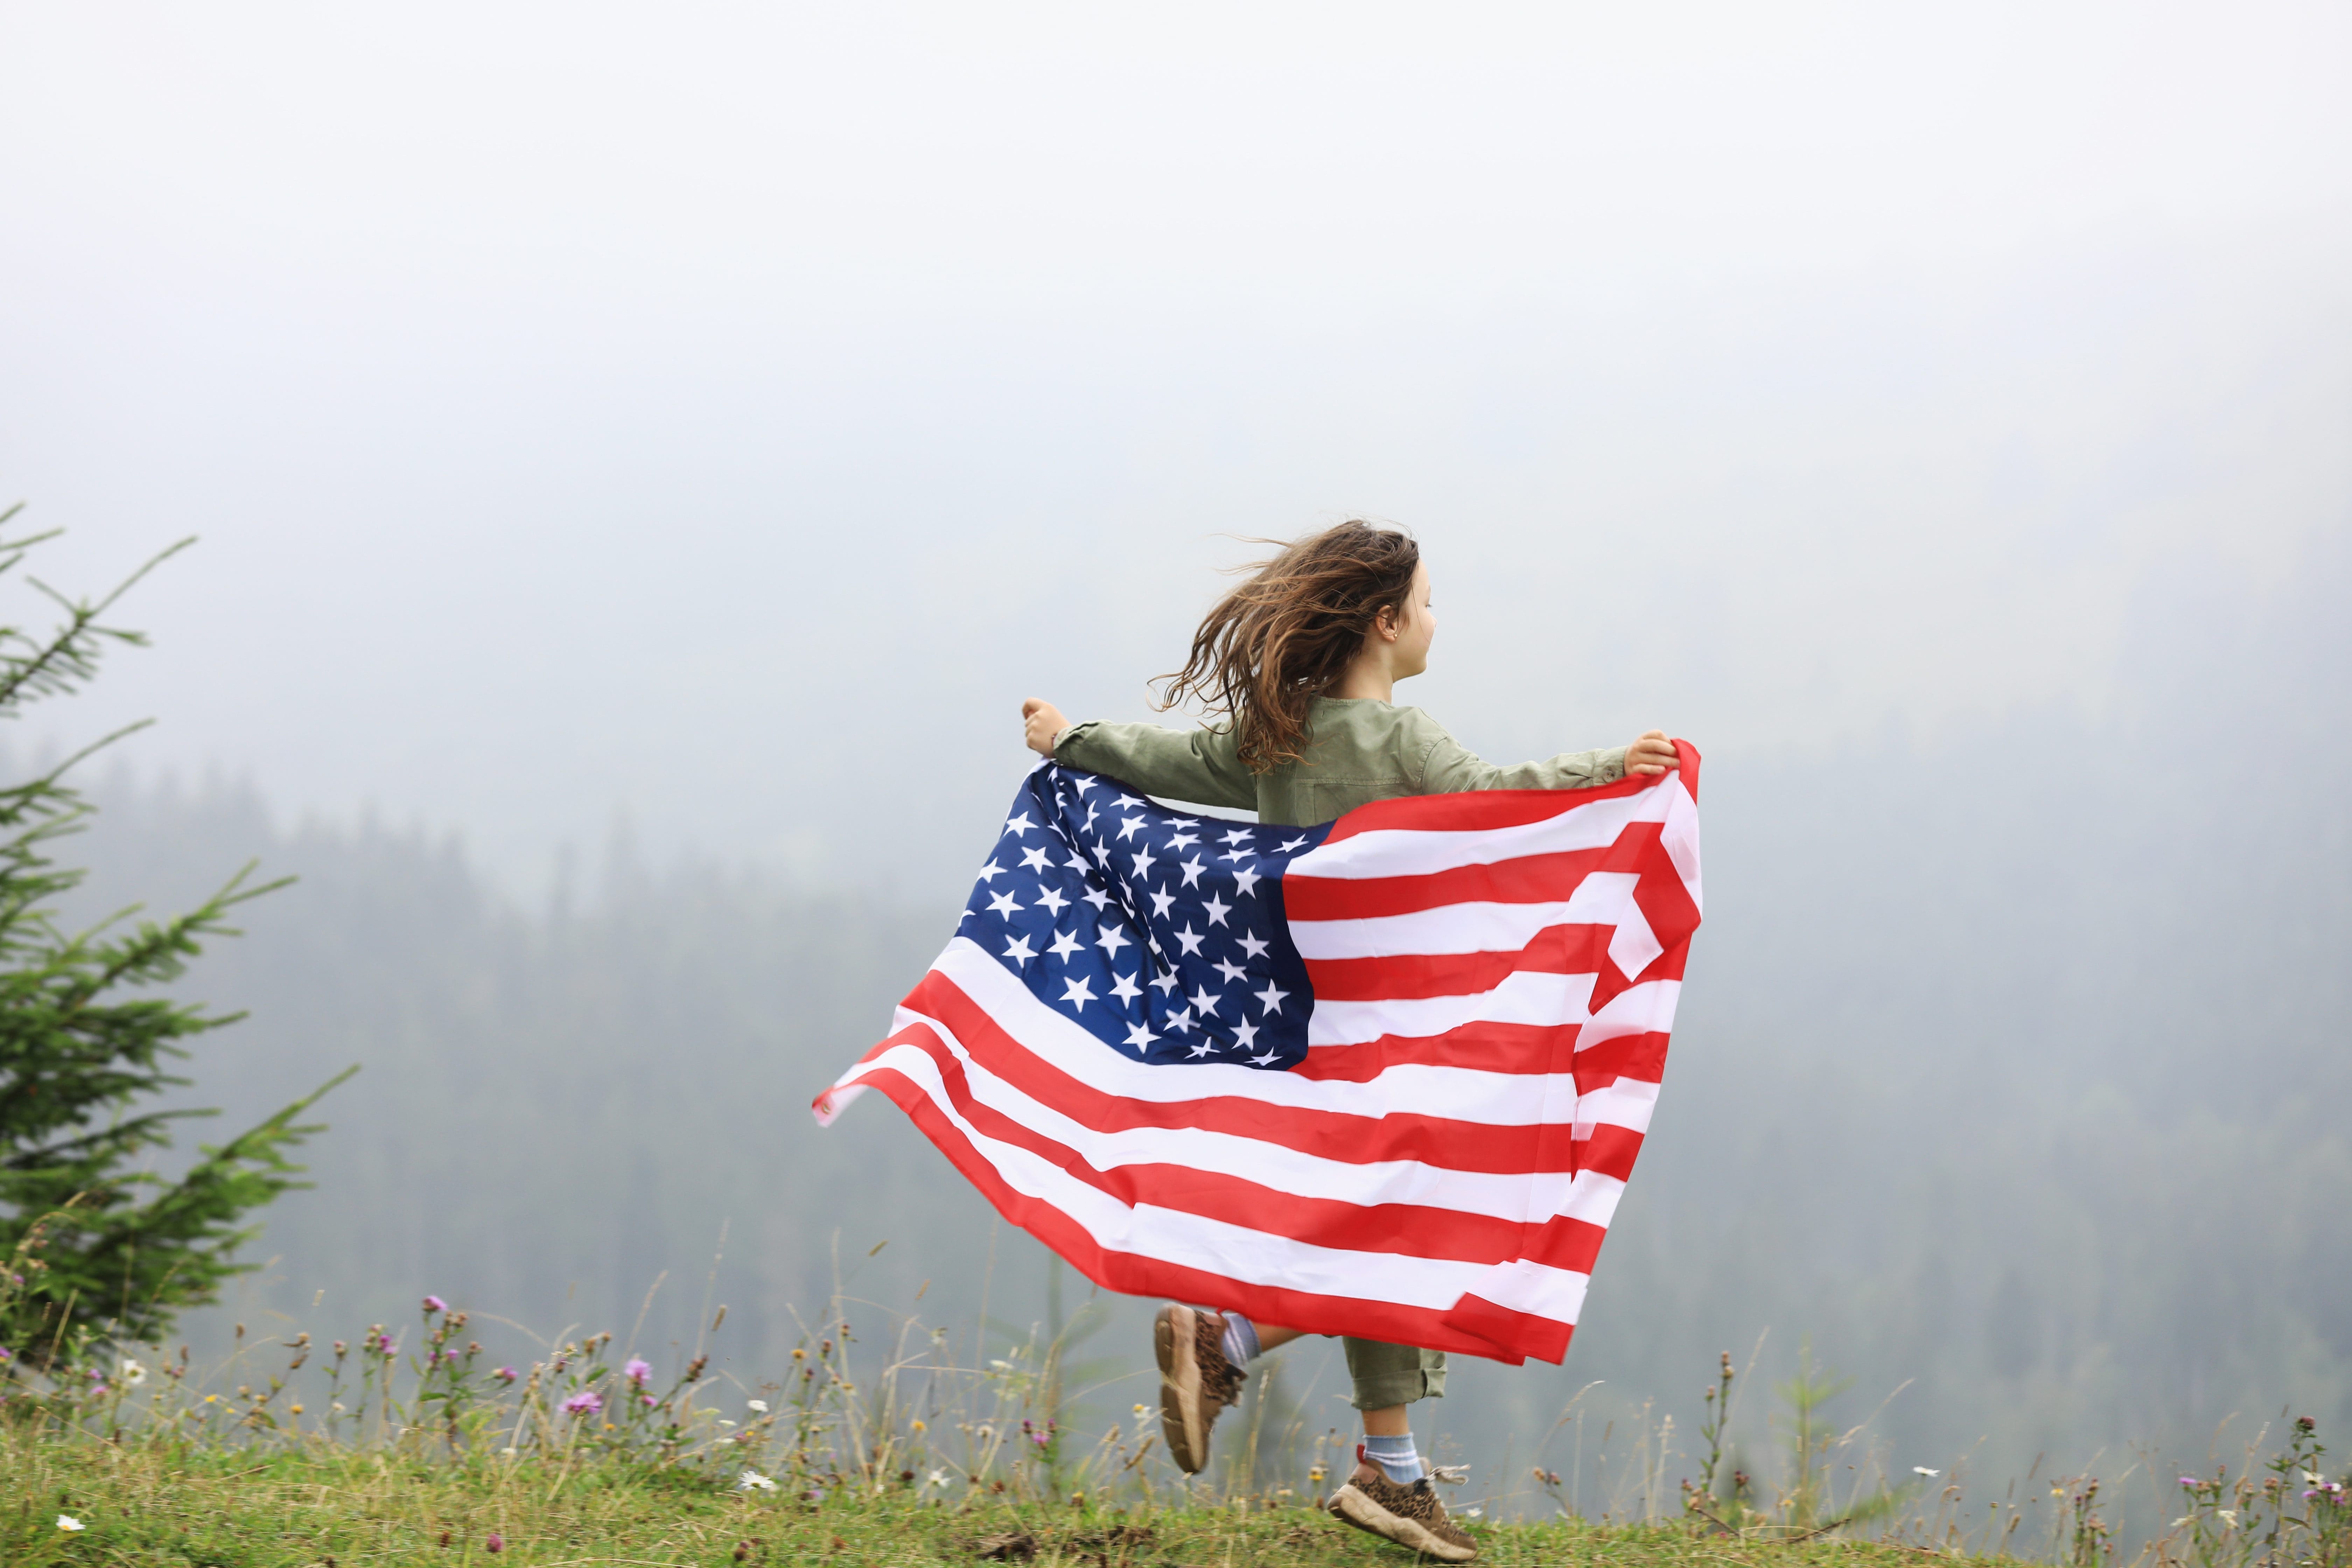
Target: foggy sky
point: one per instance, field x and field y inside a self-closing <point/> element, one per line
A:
<point x="718" y="418"/>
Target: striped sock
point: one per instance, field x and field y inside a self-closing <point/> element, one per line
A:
<point x="1241" y="1340"/>
<point x="1395" y="1457"/>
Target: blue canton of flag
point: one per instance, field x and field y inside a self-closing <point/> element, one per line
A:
<point x="1163" y="935"/>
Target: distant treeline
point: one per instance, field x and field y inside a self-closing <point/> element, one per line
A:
<point x="2013" y="1061"/>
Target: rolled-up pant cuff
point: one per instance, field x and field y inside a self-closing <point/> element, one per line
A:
<point x="1394" y="1374"/>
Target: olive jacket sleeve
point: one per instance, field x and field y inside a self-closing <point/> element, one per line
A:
<point x="1447" y="767"/>
<point x="1198" y="765"/>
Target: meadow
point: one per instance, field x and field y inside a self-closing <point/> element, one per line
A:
<point x="413" y="1443"/>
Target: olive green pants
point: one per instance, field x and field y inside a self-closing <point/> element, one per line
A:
<point x="1394" y="1374"/>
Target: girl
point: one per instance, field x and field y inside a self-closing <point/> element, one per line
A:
<point x="1302" y="662"/>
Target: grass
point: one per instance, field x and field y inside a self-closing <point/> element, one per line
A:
<point x="415" y="1445"/>
<point x="170" y="1504"/>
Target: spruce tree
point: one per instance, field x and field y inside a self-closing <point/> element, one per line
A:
<point x="93" y="1250"/>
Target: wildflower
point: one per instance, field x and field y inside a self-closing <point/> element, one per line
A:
<point x="936" y="1478"/>
<point x="66" y="1521"/>
<point x="2312" y="1478"/>
<point x="497" y="1543"/>
<point x="1315" y="1474"/>
<point x="296" y="1408"/>
<point x="1923" y="1470"/>
<point x="2184" y="1521"/>
<point x="2190" y="1481"/>
<point x="1474" y="1513"/>
<point x="646" y="1399"/>
<point x="506" y="1375"/>
<point x="919" y="1425"/>
<point x="5" y="1357"/>
<point x="753" y="1481"/>
<point x="1142" y="1412"/>
<point x="133" y="1374"/>
<point x="1001" y="1366"/>
<point x="436" y="1304"/>
<point x="587" y="1402"/>
<point x="756" y="1407"/>
<point x="2228" y="1516"/>
<point x="638" y="1371"/>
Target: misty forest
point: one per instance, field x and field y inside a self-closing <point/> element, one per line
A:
<point x="2010" y="1081"/>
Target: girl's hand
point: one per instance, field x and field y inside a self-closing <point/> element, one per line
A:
<point x="1653" y="754"/>
<point x="1040" y="722"/>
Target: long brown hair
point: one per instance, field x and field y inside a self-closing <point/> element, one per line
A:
<point x="1273" y="643"/>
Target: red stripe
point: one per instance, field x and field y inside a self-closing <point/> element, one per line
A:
<point x="1545" y="1338"/>
<point x="1526" y="1048"/>
<point x="1555" y="950"/>
<point x="1482" y="1047"/>
<point x="1524" y="880"/>
<point x="1445" y="1141"/>
<point x="1132" y="1274"/>
<point x="1612" y="1150"/>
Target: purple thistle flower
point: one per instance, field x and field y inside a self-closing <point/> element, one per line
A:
<point x="497" y="1543"/>
<point x="436" y="1304"/>
<point x="647" y="1398"/>
<point x="2189" y="1481"/>
<point x="638" y="1371"/>
<point x="506" y="1375"/>
<point x="587" y="1402"/>
<point x="383" y="1345"/>
<point x="4" y="1355"/>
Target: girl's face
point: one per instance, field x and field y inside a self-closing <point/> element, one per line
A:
<point x="1409" y="655"/>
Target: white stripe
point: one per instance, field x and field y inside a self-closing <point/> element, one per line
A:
<point x="1593" y="1198"/>
<point x="1626" y="1104"/>
<point x="1600" y="899"/>
<point x="1236" y="1252"/>
<point x="1532" y="1288"/>
<point x="1524" y="996"/>
<point x="1415" y="852"/>
<point x="1680" y="838"/>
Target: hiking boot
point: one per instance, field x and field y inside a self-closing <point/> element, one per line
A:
<point x="1408" y="1515"/>
<point x="1196" y="1381"/>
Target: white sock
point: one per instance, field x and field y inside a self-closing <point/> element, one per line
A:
<point x="1241" y="1340"/>
<point x="1395" y="1457"/>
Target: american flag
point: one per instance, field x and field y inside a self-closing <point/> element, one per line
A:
<point x="1386" y="1076"/>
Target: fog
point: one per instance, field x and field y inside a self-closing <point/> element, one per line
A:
<point x="643" y="459"/>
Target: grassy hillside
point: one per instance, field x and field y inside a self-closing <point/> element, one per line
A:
<point x="198" y="1506"/>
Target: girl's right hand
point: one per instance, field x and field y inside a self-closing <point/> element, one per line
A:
<point x="1040" y="722"/>
<point x="1653" y="754"/>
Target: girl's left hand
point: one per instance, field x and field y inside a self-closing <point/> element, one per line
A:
<point x="1653" y="754"/>
<point x="1040" y="722"/>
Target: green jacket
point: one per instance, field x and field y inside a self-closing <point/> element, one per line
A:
<point x="1358" y="749"/>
